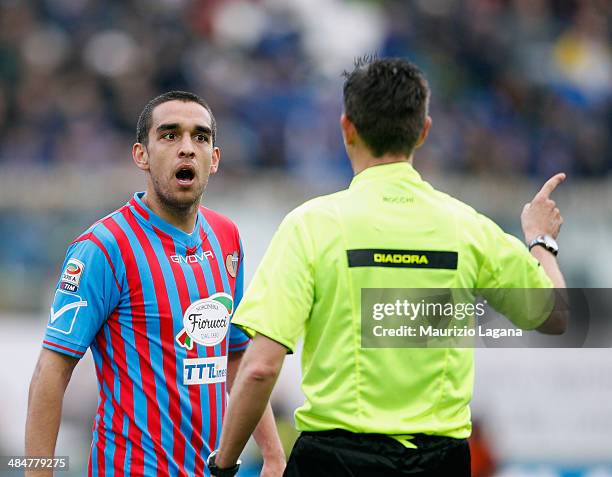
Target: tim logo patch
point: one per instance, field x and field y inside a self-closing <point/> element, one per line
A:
<point x="64" y="311"/>
<point x="71" y="276"/>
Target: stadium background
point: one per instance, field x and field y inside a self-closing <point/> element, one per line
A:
<point x="521" y="89"/>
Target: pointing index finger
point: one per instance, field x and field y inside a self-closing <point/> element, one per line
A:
<point x="550" y="185"/>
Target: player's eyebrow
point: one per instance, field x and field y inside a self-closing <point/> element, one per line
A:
<point x="167" y="127"/>
<point x="174" y="126"/>
<point x="202" y="129"/>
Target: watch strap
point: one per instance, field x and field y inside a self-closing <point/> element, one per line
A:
<point x="216" y="471"/>
<point x="541" y="241"/>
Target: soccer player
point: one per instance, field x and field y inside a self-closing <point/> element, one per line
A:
<point x="151" y="289"/>
<point x="383" y="411"/>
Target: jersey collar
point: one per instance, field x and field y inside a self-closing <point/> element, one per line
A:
<point x="147" y="216"/>
<point x="393" y="171"/>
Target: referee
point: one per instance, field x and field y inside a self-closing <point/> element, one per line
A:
<point x="371" y="412"/>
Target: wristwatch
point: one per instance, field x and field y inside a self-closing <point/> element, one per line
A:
<point x="547" y="242"/>
<point x="216" y="471"/>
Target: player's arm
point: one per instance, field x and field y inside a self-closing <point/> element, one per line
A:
<point x="542" y="217"/>
<point x="251" y="385"/>
<point x="85" y="294"/>
<point x="47" y="388"/>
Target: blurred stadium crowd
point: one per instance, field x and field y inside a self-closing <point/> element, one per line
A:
<point x="519" y="86"/>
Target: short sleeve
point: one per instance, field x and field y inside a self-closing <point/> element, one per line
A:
<point x="278" y="302"/>
<point x="85" y="295"/>
<point x="512" y="280"/>
<point x="238" y="339"/>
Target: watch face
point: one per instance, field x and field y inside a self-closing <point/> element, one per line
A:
<point x="550" y="242"/>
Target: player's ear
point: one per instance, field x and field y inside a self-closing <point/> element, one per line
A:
<point x="216" y="158"/>
<point x="424" y="132"/>
<point x="140" y="156"/>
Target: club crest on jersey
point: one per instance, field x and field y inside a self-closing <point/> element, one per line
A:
<point x="71" y="276"/>
<point x="231" y="263"/>
<point x="206" y="321"/>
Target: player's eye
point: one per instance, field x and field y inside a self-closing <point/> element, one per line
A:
<point x="170" y="136"/>
<point x="201" y="138"/>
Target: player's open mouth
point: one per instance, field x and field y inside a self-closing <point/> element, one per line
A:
<point x="185" y="175"/>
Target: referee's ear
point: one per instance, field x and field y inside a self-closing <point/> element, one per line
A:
<point x="140" y="156"/>
<point x="424" y="132"/>
<point x="349" y="131"/>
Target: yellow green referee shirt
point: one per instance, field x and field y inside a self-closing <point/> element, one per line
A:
<point x="304" y="287"/>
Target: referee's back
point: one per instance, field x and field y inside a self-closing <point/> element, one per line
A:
<point x="329" y="249"/>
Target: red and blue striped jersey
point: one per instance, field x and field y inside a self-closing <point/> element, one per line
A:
<point x="154" y="305"/>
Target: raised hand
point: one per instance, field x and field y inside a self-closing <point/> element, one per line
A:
<point x="541" y="216"/>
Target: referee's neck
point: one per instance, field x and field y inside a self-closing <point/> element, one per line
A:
<point x="367" y="161"/>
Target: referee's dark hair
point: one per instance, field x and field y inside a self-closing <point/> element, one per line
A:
<point x="146" y="117"/>
<point x="387" y="101"/>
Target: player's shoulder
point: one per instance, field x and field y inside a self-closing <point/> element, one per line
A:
<point x="99" y="233"/>
<point x="218" y="222"/>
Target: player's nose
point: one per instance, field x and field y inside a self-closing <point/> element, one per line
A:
<point x="186" y="148"/>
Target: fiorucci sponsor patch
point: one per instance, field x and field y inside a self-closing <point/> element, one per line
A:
<point x="206" y="321"/>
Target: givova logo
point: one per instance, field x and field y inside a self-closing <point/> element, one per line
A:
<point x="205" y="370"/>
<point x="194" y="258"/>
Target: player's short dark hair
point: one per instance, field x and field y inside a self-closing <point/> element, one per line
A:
<point x="146" y="117"/>
<point x="387" y="101"/>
